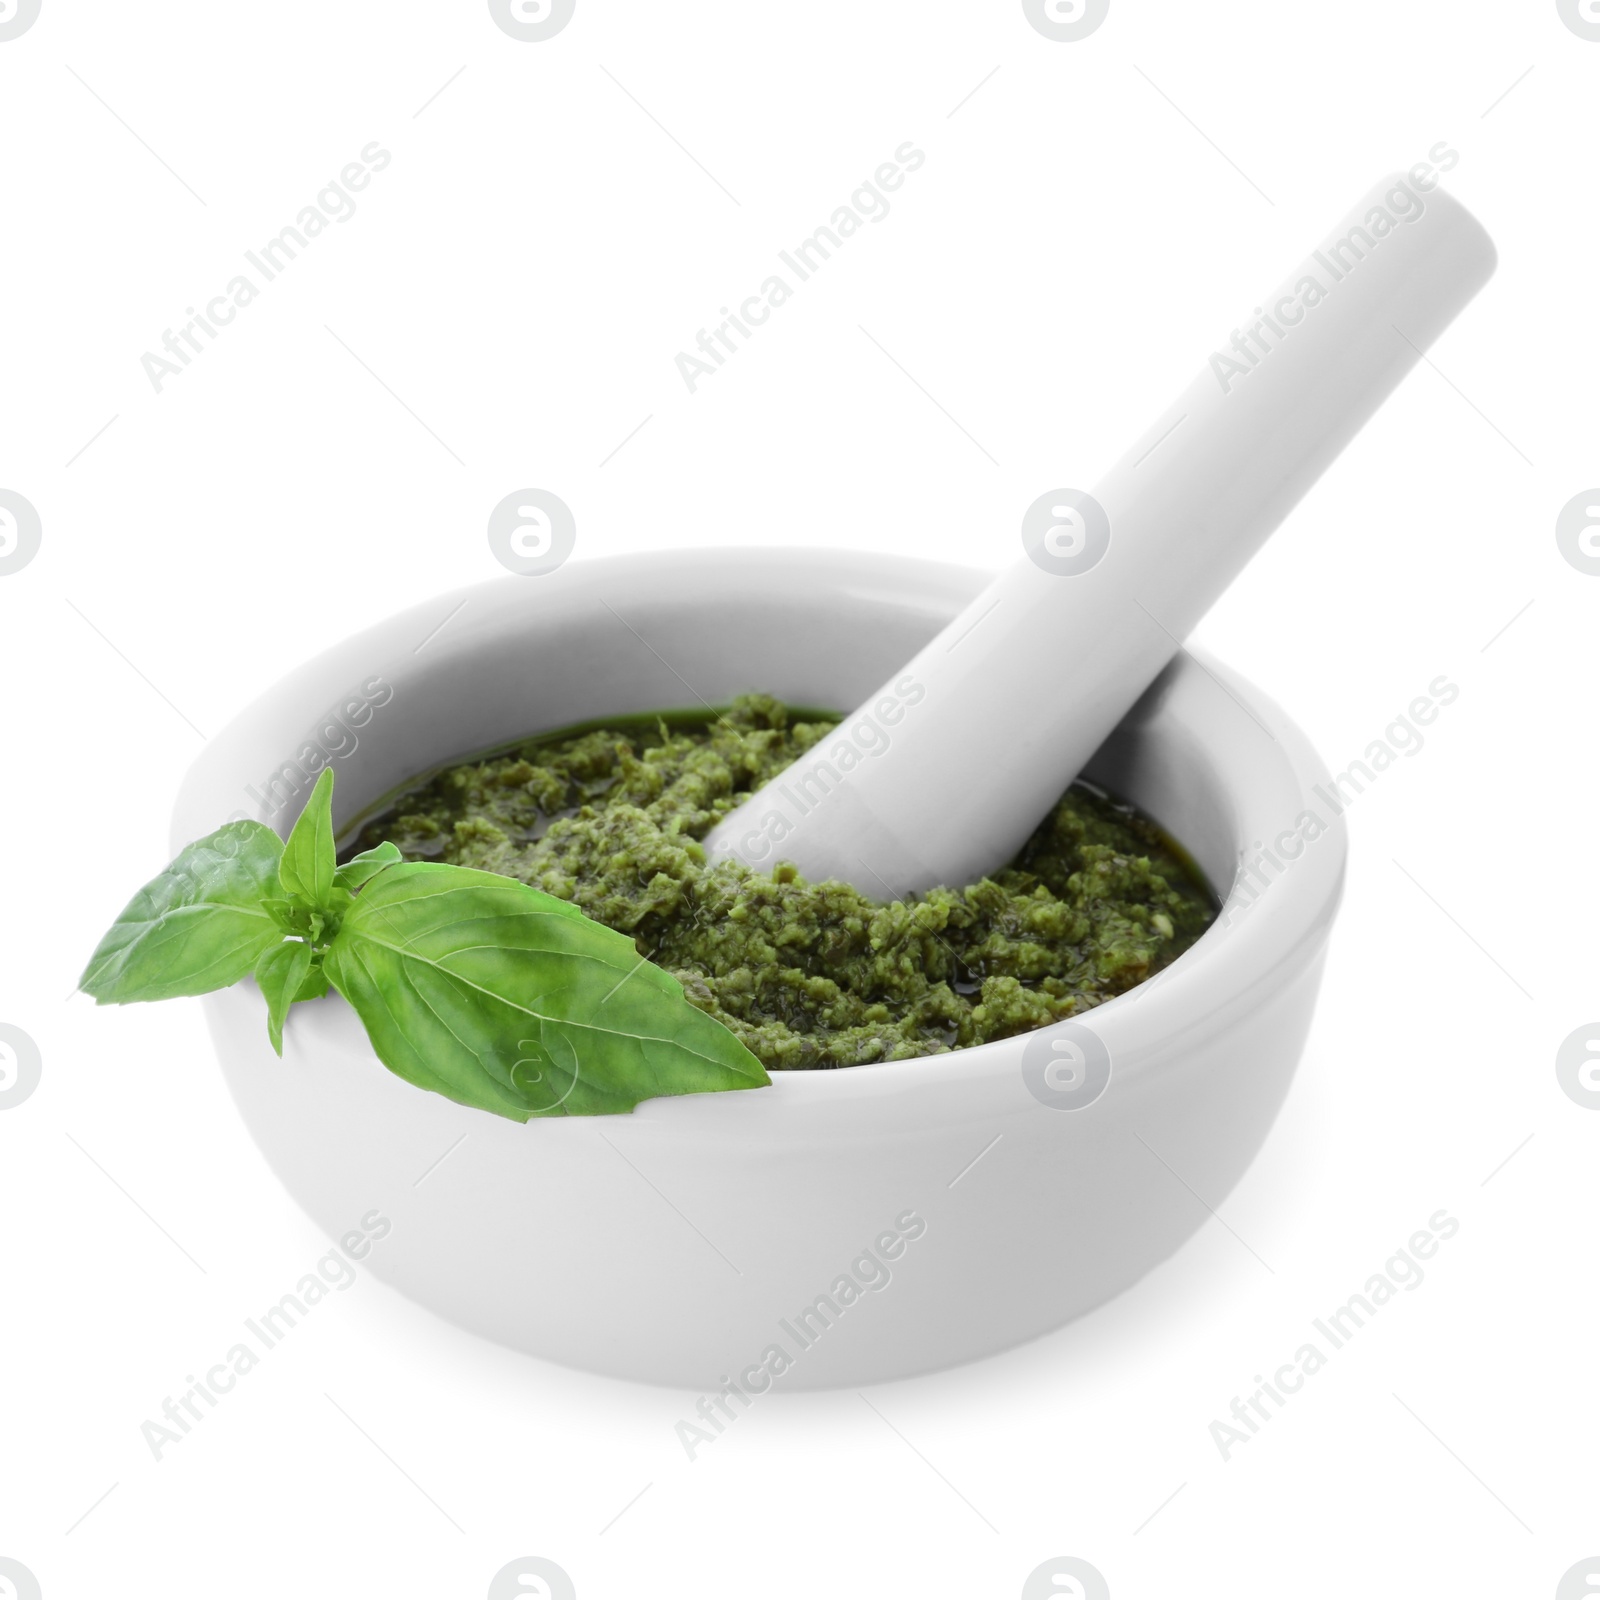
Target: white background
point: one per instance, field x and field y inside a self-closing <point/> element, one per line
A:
<point x="520" y="279"/>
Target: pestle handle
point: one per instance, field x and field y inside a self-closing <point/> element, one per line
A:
<point x="974" y="740"/>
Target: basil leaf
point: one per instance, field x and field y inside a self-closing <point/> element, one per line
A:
<point x="315" y="985"/>
<point x="279" y="974"/>
<point x="495" y="995"/>
<point x="199" y="926"/>
<point x="309" y="860"/>
<point x="366" y="866"/>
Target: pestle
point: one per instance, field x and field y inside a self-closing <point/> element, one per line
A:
<point x="940" y="776"/>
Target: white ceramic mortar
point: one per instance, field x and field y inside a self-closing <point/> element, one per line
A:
<point x="667" y="1245"/>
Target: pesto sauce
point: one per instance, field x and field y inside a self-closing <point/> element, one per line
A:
<point x="808" y="975"/>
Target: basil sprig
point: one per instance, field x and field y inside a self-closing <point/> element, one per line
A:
<point x="468" y="983"/>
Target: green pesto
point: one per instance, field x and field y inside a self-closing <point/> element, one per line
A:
<point x="808" y="974"/>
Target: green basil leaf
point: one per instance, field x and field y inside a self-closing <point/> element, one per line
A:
<point x="315" y="985"/>
<point x="484" y="990"/>
<point x="279" y="974"/>
<point x="282" y="911"/>
<point x="309" y="860"/>
<point x="366" y="866"/>
<point x="199" y="926"/>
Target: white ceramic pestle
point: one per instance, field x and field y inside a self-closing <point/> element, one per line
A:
<point x="941" y="776"/>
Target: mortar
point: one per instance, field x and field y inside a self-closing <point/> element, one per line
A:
<point x="678" y="1244"/>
